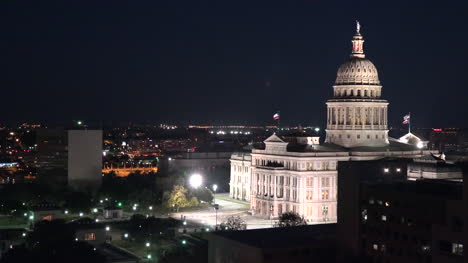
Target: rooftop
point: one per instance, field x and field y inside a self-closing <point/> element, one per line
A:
<point x="283" y="237"/>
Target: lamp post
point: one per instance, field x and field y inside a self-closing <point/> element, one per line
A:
<point x="215" y="187"/>
<point x="216" y="206"/>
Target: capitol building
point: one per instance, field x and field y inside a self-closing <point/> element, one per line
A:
<point x="298" y="173"/>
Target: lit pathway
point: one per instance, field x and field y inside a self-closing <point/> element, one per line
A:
<point x="227" y="207"/>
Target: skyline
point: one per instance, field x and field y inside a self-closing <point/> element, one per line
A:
<point x="238" y="64"/>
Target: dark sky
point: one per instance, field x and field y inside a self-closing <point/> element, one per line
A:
<point x="226" y="61"/>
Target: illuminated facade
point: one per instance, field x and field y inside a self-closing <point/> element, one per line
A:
<point x="299" y="174"/>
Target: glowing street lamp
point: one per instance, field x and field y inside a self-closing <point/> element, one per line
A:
<point x="196" y="180"/>
<point x="148" y="244"/>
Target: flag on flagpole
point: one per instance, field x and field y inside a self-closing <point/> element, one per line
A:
<point x="276" y="116"/>
<point x="406" y="118"/>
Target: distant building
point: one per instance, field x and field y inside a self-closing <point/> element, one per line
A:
<point x="84" y="159"/>
<point x="112" y="212"/>
<point x="45" y="211"/>
<point x="434" y="167"/>
<point x="382" y="217"/>
<point x="290" y="244"/>
<point x="72" y="158"/>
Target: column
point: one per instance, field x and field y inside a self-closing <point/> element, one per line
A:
<point x="385" y="114"/>
<point x="372" y="118"/>
<point x="345" y="115"/>
<point x="354" y="117"/>
<point x="363" y="117"/>
<point x="336" y="118"/>
<point x="378" y="116"/>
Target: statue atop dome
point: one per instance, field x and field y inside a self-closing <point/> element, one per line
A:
<point x="358" y="27"/>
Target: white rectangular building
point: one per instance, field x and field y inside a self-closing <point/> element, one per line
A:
<point x="84" y="159"/>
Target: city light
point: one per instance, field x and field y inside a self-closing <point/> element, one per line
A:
<point x="184" y="242"/>
<point x="420" y="145"/>
<point x="66" y="212"/>
<point x="149" y="256"/>
<point x="317" y="129"/>
<point x="148" y="244"/>
<point x="126" y="235"/>
<point x="196" y="180"/>
<point x="150" y="208"/>
<point x="81" y="214"/>
<point x="107" y="228"/>
<point x="215" y="187"/>
<point x="95" y="210"/>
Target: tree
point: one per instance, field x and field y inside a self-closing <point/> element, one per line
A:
<point x="193" y="202"/>
<point x="203" y="194"/>
<point x="177" y="197"/>
<point x="233" y="223"/>
<point x="288" y="219"/>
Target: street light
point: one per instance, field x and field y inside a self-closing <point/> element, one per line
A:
<point x="216" y="207"/>
<point x="196" y="180"/>
<point x="107" y="228"/>
<point x="148" y="244"/>
<point x="126" y="235"/>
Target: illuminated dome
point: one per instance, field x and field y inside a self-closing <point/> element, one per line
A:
<point x="357" y="70"/>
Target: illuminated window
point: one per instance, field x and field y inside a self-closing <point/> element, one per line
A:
<point x="90" y="236"/>
<point x="386" y="170"/>
<point x="384" y="218"/>
<point x="457" y="249"/>
<point x="324" y="210"/>
<point x="310" y="182"/>
<point x="398" y="169"/>
<point x="375" y="247"/>
<point x="325" y="194"/>
<point x="387" y="204"/>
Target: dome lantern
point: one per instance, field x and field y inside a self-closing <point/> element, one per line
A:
<point x="358" y="41"/>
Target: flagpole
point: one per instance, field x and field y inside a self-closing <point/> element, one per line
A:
<point x="279" y="121"/>
<point x="409" y="123"/>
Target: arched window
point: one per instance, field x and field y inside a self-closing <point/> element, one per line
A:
<point x="359" y="93"/>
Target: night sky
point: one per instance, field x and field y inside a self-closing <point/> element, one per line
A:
<point x="227" y="62"/>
